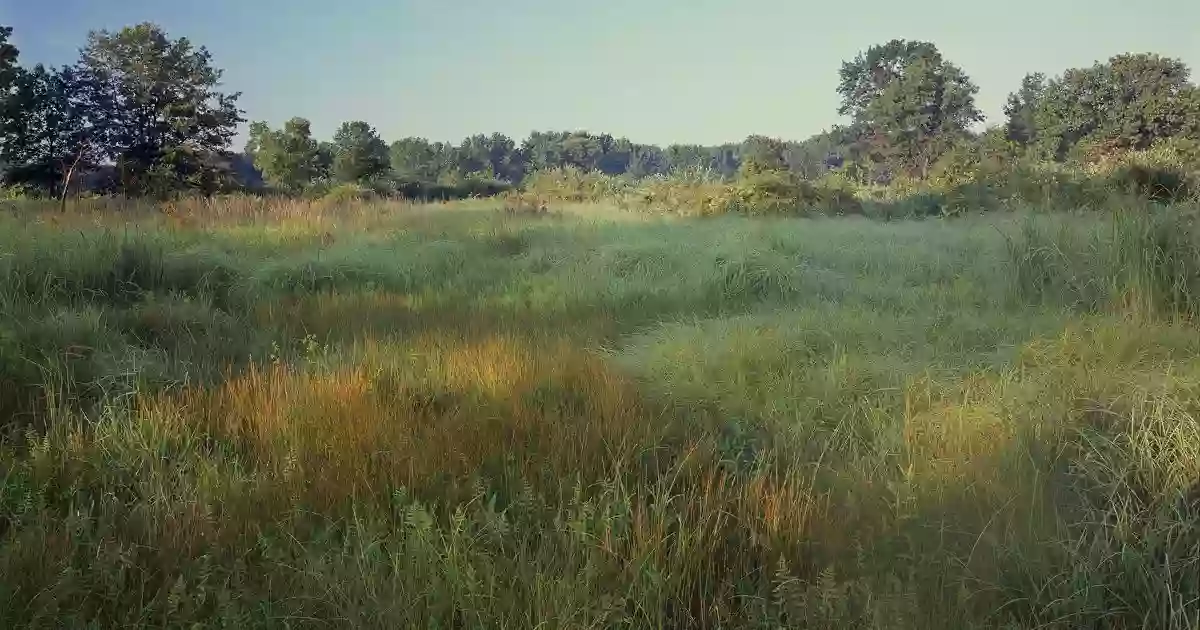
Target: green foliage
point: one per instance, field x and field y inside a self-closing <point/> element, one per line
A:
<point x="489" y="157"/>
<point x="762" y="155"/>
<point x="346" y="193"/>
<point x="864" y="79"/>
<point x="1022" y="109"/>
<point x="416" y="159"/>
<point x="15" y="193"/>
<point x="10" y="110"/>
<point x="41" y="132"/>
<point x="574" y="184"/>
<point x="359" y="154"/>
<point x="1156" y="183"/>
<point x="1169" y="171"/>
<point x="8" y="59"/>
<point x="289" y="158"/>
<point x="148" y="96"/>
<point x="1129" y="102"/>
<point x="911" y="103"/>
<point x="149" y="106"/>
<point x="772" y="193"/>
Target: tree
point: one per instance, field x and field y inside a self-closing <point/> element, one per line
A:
<point x="976" y="157"/>
<point x="8" y="59"/>
<point x="1130" y="102"/>
<point x="507" y="161"/>
<point x="1022" y="107"/>
<point x="494" y="156"/>
<point x="543" y="150"/>
<point x="581" y="150"/>
<point x="45" y="136"/>
<point x="151" y="101"/>
<point x="41" y="133"/>
<point x="414" y="159"/>
<point x="911" y="104"/>
<point x="864" y="78"/>
<point x="760" y="154"/>
<point x="289" y="158"/>
<point x="817" y="155"/>
<point x="9" y="112"/>
<point x="685" y="157"/>
<point x="325" y="151"/>
<point x="646" y="160"/>
<point x="359" y="154"/>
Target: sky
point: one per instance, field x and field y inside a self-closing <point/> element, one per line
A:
<point x="655" y="71"/>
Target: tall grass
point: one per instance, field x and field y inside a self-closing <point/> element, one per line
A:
<point x="452" y="416"/>
<point x="1143" y="261"/>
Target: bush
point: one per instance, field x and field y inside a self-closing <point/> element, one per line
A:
<point x="687" y="193"/>
<point x="474" y="187"/>
<point x="575" y="185"/>
<point x="774" y="193"/>
<point x="1156" y="183"/>
<point x="347" y="193"/>
<point x="1166" y="172"/>
<point x="837" y="194"/>
<point x="16" y="192"/>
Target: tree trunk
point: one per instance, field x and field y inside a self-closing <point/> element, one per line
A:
<point x="66" y="186"/>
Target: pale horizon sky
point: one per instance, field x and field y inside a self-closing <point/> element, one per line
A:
<point x="655" y="71"/>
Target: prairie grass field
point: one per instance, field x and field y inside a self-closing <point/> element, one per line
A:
<point x="251" y="414"/>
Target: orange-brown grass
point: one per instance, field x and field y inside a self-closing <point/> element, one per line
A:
<point x="651" y="494"/>
<point x="352" y="432"/>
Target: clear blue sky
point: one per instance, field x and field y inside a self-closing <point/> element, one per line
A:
<point x="657" y="71"/>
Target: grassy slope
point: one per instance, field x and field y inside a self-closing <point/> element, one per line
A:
<point x="395" y="417"/>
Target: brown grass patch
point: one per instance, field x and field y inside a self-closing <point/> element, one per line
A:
<point x="470" y="409"/>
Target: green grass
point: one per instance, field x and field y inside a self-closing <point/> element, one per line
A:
<point x="449" y="416"/>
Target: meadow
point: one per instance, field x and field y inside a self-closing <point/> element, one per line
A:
<point x="246" y="413"/>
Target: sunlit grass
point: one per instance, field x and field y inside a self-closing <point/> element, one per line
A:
<point x="445" y="416"/>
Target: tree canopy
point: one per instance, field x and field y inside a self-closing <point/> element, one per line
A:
<point x="359" y="154"/>
<point x="911" y="104"/>
<point x="152" y="101"/>
<point x="288" y="158"/>
<point x="1128" y="102"/>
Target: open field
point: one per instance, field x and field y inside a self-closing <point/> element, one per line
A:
<point x="449" y="417"/>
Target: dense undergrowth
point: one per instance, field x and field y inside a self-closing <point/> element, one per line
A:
<point x="961" y="183"/>
<point x="270" y="414"/>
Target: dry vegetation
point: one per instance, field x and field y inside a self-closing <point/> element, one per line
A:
<point x="281" y="414"/>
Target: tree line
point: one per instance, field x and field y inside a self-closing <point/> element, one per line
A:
<point x="143" y="113"/>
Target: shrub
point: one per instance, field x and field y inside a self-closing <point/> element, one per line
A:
<point x="573" y="184"/>
<point x="347" y="193"/>
<point x="1166" y="172"/>
<point x="1153" y="182"/>
<point x="16" y="192"/>
<point x="774" y="193"/>
<point x="837" y="194"/>
<point x="687" y="193"/>
<point x="476" y="187"/>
